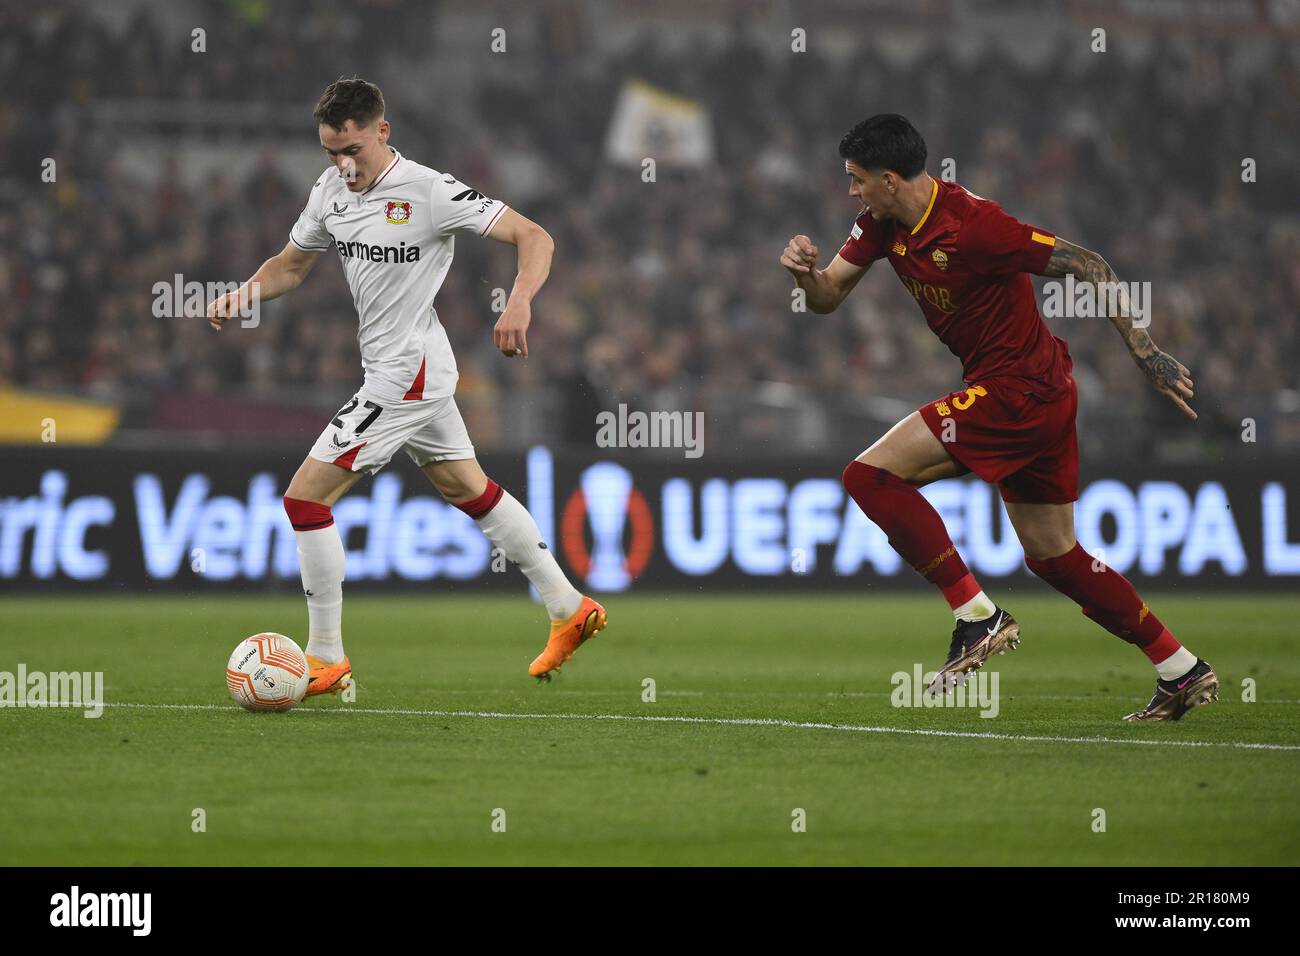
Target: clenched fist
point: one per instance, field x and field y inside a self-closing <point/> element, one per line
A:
<point x="800" y="255"/>
<point x="222" y="308"/>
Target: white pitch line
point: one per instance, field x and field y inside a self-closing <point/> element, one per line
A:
<point x="742" y="722"/>
<point x="810" y="694"/>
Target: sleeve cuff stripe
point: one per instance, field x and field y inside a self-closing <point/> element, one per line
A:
<point x="493" y="221"/>
<point x="307" y="248"/>
<point x="1045" y="240"/>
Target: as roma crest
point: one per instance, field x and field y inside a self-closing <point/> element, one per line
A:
<point x="940" y="259"/>
<point x="398" y="212"/>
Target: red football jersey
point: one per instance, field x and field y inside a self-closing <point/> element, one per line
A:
<point x="965" y="263"/>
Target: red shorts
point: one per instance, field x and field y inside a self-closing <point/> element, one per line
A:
<point x="1026" y="447"/>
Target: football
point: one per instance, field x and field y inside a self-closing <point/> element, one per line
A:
<point x="267" y="672"/>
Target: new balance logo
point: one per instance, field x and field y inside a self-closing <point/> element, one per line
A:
<point x="376" y="253"/>
<point x="470" y="194"/>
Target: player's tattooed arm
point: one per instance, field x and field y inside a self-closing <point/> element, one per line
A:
<point x="1166" y="373"/>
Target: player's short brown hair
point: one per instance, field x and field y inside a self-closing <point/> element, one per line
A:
<point x="349" y="98"/>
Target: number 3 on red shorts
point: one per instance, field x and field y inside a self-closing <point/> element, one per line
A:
<point x="972" y="393"/>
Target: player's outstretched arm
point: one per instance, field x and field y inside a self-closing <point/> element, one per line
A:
<point x="1166" y="373"/>
<point x="279" y="274"/>
<point x="825" y="288"/>
<point x="536" y="247"/>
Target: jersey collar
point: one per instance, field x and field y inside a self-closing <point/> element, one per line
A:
<point x="397" y="158"/>
<point x="934" y="195"/>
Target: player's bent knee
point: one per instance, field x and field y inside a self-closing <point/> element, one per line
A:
<point x="457" y="481"/>
<point x="307" y="515"/>
<point x="1056" y="550"/>
<point x="1038" y="553"/>
<point x="892" y="470"/>
<point x="452" y="489"/>
<point x="1045" y="543"/>
<point x="862" y="481"/>
<point x="321" y="481"/>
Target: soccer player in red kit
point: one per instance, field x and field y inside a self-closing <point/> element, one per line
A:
<point x="965" y="261"/>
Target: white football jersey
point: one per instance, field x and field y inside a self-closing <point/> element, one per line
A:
<point x="396" y="240"/>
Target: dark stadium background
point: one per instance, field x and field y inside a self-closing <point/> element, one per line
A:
<point x="664" y="295"/>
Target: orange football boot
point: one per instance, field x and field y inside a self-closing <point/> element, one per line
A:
<point x="323" y="678"/>
<point x="566" y="636"/>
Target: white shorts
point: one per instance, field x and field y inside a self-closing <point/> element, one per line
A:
<point x="364" y="435"/>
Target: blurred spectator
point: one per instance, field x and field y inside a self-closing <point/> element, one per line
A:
<point x="663" y="296"/>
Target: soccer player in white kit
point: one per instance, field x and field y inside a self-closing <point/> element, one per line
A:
<point x="393" y="224"/>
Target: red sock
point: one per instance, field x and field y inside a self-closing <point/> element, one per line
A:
<point x="1107" y="597"/>
<point x="307" y="515"/>
<point x="914" y="529"/>
<point x="478" y="507"/>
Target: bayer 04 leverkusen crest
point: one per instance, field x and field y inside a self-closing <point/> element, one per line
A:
<point x="398" y="212"/>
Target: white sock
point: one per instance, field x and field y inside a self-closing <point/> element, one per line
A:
<point x="320" y="558"/>
<point x="978" y="608"/>
<point x="511" y="528"/>
<point x="1176" y="664"/>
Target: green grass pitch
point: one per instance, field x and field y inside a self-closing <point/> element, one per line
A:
<point x="412" y="772"/>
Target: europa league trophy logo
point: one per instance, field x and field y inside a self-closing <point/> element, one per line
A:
<point x="606" y="488"/>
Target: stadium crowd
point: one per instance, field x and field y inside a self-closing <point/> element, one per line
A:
<point x="667" y="294"/>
